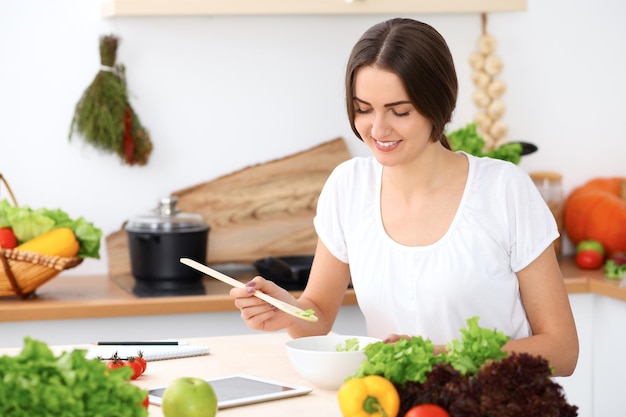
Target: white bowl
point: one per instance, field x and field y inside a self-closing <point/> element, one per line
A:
<point x="316" y="358"/>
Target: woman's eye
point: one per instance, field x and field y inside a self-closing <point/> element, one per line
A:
<point x="406" y="113"/>
<point x="361" y="111"/>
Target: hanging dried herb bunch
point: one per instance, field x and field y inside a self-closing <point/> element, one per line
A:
<point x="104" y="116"/>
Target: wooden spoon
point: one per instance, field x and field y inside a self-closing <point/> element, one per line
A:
<point x="281" y="305"/>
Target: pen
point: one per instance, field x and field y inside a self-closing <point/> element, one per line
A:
<point x="156" y="343"/>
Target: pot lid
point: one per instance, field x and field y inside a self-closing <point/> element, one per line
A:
<point x="167" y="218"/>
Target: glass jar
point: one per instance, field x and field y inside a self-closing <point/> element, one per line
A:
<point x="550" y="186"/>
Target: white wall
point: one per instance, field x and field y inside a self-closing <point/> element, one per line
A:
<point x="218" y="94"/>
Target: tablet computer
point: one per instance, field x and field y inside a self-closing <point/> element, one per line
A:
<point x="235" y="390"/>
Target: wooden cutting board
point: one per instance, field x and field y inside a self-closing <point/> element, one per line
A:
<point x="262" y="210"/>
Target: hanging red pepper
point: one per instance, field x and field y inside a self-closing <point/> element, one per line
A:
<point x="129" y="145"/>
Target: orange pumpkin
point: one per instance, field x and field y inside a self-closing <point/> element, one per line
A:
<point x="597" y="210"/>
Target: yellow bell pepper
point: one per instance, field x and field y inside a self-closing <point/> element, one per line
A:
<point x="56" y="242"/>
<point x="369" y="396"/>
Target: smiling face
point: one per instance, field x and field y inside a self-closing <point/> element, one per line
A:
<point x="387" y="120"/>
<point x="424" y="72"/>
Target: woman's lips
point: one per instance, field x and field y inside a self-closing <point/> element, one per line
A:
<point x="386" y="146"/>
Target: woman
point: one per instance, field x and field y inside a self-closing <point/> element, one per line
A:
<point x="428" y="236"/>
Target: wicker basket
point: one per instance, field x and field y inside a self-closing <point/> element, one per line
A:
<point x="22" y="272"/>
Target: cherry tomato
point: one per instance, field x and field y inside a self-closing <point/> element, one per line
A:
<point x="139" y="358"/>
<point x="136" y="367"/>
<point x="427" y="410"/>
<point x="7" y="238"/>
<point x="146" y="402"/>
<point x="589" y="259"/>
<point x="115" y="363"/>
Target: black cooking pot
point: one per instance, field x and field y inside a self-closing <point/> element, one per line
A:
<point x="157" y="241"/>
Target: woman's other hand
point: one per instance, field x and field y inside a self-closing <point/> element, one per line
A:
<point x="393" y="338"/>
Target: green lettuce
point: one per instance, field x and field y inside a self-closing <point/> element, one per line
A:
<point x="413" y="359"/>
<point x="468" y="140"/>
<point x="28" y="223"/>
<point x="349" y="345"/>
<point x="38" y="383"/>
<point x="402" y="361"/>
<point x="477" y="345"/>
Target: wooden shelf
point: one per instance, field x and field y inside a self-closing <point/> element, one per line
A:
<point x="112" y="8"/>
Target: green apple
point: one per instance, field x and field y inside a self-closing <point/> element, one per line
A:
<point x="189" y="397"/>
<point x="590" y="244"/>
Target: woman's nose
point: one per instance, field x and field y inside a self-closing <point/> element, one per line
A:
<point x="380" y="128"/>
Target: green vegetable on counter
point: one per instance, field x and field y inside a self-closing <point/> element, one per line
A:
<point x="413" y="359"/>
<point x="349" y="345"/>
<point x="467" y="139"/>
<point x="612" y="270"/>
<point x="38" y="383"/>
<point x="28" y="223"/>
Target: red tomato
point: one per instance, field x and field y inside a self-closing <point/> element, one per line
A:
<point x="427" y="410"/>
<point x="146" y="402"/>
<point x="115" y="363"/>
<point x="589" y="259"/>
<point x="139" y="358"/>
<point x="136" y="367"/>
<point x="7" y="238"/>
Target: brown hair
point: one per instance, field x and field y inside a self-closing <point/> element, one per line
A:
<point x="420" y="57"/>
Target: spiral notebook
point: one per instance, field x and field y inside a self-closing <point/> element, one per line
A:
<point x="150" y="352"/>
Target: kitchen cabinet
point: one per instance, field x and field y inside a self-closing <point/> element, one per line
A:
<point x="609" y="356"/>
<point x="112" y="8"/>
<point x="596" y="386"/>
<point x="578" y="387"/>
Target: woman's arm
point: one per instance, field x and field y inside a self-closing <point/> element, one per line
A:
<point x="545" y="299"/>
<point x="327" y="284"/>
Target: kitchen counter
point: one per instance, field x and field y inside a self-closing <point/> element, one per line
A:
<point x="72" y="296"/>
<point x="97" y="296"/>
<point x="262" y="355"/>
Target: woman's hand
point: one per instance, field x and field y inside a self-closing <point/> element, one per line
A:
<point x="324" y="293"/>
<point x="393" y="338"/>
<point x="258" y="314"/>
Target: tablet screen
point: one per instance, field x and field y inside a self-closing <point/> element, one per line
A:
<point x="237" y="390"/>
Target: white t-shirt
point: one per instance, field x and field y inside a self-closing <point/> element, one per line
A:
<point x="502" y="224"/>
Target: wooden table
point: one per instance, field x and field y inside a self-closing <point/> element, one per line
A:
<point x="262" y="355"/>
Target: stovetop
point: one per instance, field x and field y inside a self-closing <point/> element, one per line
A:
<point x="175" y="288"/>
<point x="170" y="288"/>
